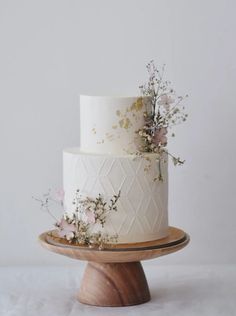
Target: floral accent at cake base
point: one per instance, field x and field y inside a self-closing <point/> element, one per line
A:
<point x="77" y="228"/>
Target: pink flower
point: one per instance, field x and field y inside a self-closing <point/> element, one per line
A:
<point x="60" y="194"/>
<point x="159" y="137"/>
<point x="166" y="100"/>
<point x="66" y="230"/>
<point x="90" y="217"/>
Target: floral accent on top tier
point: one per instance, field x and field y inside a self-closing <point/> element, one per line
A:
<point x="77" y="227"/>
<point x="166" y="111"/>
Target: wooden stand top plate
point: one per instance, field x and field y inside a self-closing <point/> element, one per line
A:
<point x="117" y="253"/>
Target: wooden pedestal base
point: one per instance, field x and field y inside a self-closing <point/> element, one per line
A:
<point x="114" y="284"/>
<point x="114" y="276"/>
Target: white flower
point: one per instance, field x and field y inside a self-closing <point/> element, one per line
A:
<point x="66" y="230"/>
<point x="69" y="235"/>
<point x="166" y="101"/>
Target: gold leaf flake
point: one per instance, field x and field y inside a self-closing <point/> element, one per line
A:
<point x="121" y="122"/>
<point x="109" y="136"/>
<point x="125" y="123"/>
<point x="137" y="105"/>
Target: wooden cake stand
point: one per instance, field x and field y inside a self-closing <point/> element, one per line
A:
<point x="114" y="276"/>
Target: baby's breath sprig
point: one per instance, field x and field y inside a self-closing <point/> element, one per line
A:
<point x="45" y="203"/>
<point x="113" y="200"/>
<point x="167" y="111"/>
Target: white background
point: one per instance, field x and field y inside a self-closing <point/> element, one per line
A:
<point x="52" y="51"/>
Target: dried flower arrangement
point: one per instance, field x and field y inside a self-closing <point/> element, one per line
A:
<point x="166" y="111"/>
<point x="77" y="227"/>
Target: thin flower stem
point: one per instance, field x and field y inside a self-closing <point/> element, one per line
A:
<point x="44" y="205"/>
<point x="158" y="87"/>
<point x="160" y="172"/>
<point x="174" y="106"/>
<point x="50" y="213"/>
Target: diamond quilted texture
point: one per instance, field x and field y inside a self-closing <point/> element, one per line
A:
<point x="94" y="165"/>
<point x="80" y="172"/>
<point x="138" y="223"/>
<point x="128" y="166"/>
<point x="152" y="213"/>
<point x="158" y="204"/>
<point x="146" y="184"/>
<point x="116" y="175"/>
<point x="119" y="218"/>
<point x="135" y="195"/>
<point x="97" y="188"/>
<point x="142" y="208"/>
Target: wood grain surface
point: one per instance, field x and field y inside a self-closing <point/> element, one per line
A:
<point x="176" y="240"/>
<point x="114" y="284"/>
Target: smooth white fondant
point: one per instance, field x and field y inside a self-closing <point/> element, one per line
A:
<point x="100" y="131"/>
<point x="142" y="208"/>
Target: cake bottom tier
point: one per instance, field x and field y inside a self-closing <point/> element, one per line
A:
<point x="142" y="209"/>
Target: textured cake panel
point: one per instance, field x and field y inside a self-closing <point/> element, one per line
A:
<point x="142" y="208"/>
<point x="109" y="124"/>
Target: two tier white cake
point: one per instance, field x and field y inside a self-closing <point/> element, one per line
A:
<point x="107" y="162"/>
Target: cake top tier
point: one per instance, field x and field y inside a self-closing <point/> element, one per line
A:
<point x="110" y="124"/>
